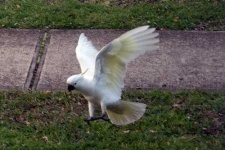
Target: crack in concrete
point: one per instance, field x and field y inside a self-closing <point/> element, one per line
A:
<point x="41" y="60"/>
<point x="37" y="62"/>
<point x="33" y="64"/>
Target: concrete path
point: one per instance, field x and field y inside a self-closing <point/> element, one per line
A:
<point x="17" y="57"/>
<point x="185" y="60"/>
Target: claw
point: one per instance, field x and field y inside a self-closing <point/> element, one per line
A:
<point x="102" y="117"/>
<point x="88" y="120"/>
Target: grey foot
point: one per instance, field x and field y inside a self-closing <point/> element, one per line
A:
<point x="102" y="117"/>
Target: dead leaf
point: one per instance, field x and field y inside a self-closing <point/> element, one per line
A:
<point x="20" y="119"/>
<point x="176" y="106"/>
<point x="45" y="138"/>
<point x="27" y="123"/>
<point x="17" y="6"/>
<point x="127" y="131"/>
<point x="176" y="19"/>
<point x="152" y="131"/>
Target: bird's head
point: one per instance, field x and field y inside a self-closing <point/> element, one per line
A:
<point x="72" y="81"/>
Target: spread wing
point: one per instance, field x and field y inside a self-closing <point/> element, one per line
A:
<point x="86" y="54"/>
<point x="112" y="60"/>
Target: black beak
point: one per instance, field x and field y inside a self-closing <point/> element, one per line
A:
<point x="70" y="88"/>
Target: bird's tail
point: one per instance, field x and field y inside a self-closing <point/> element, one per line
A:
<point x="124" y="112"/>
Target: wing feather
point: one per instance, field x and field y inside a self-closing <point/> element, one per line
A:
<point x="86" y="54"/>
<point x="111" y="61"/>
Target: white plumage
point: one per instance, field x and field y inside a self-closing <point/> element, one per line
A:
<point x="103" y="72"/>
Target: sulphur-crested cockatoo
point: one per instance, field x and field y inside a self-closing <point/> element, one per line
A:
<point x="103" y="72"/>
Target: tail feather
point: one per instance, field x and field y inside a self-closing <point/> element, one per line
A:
<point x="123" y="112"/>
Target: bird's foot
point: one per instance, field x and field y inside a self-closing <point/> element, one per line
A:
<point x="102" y="117"/>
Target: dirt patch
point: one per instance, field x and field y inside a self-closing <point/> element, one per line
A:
<point x="218" y="122"/>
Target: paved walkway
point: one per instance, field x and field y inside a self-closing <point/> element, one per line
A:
<point x="185" y="60"/>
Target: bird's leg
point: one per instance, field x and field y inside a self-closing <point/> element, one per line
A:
<point x="91" y="113"/>
<point x="103" y="108"/>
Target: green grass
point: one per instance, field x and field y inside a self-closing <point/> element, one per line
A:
<point x="54" y="120"/>
<point x="72" y="14"/>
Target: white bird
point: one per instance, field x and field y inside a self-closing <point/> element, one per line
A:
<point x="103" y="72"/>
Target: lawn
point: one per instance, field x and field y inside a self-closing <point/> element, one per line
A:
<point x="54" y="120"/>
<point x="74" y="14"/>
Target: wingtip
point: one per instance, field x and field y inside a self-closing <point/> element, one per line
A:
<point x="82" y="35"/>
<point x="144" y="27"/>
<point x="82" y="38"/>
<point x="147" y="27"/>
